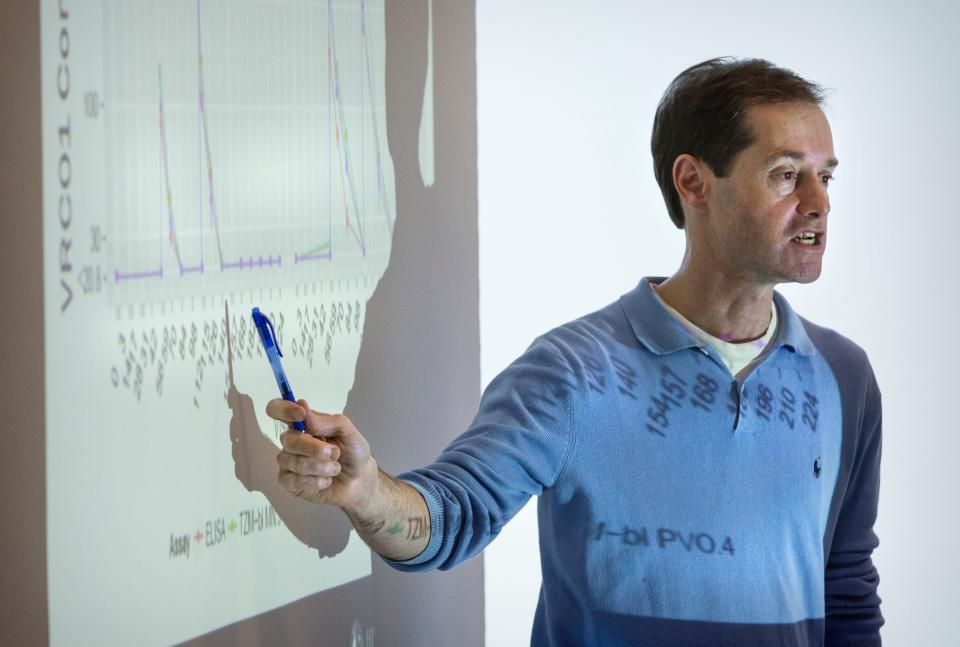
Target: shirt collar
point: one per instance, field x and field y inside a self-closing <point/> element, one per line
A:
<point x="659" y="331"/>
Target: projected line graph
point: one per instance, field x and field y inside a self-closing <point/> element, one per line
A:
<point x="244" y="176"/>
<point x="347" y="182"/>
<point x="169" y="195"/>
<point x="382" y="192"/>
<point x="213" y="156"/>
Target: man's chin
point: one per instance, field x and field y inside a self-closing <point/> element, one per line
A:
<point x="808" y="274"/>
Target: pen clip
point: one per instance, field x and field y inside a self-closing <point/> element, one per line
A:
<point x="273" y="335"/>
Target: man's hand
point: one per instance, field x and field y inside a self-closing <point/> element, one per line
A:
<point x="330" y="463"/>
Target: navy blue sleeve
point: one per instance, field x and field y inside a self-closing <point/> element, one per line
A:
<point x="517" y="446"/>
<point x="853" y="617"/>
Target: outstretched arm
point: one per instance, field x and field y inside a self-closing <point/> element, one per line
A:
<point x="331" y="464"/>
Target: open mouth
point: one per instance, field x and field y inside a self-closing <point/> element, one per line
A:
<point x="808" y="239"/>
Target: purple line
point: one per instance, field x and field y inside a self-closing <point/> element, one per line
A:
<point x="187" y="270"/>
<point x="124" y="276"/>
<point x="202" y="105"/>
<point x="252" y="263"/>
<point x="166" y="172"/>
<point x="381" y="188"/>
<point x="297" y="258"/>
<point x="359" y="232"/>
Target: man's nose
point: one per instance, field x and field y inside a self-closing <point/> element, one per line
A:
<point x="814" y="200"/>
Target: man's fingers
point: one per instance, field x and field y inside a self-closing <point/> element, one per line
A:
<point x="324" y="425"/>
<point x="285" y="411"/>
<point x="307" y="465"/>
<point x="328" y="425"/>
<point x="302" y="444"/>
<point x="300" y="485"/>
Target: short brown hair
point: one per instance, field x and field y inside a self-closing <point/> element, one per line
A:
<point x="702" y="114"/>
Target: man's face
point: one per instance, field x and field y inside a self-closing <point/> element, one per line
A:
<point x="775" y="189"/>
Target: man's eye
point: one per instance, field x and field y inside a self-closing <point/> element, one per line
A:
<point x="826" y="179"/>
<point x="787" y="176"/>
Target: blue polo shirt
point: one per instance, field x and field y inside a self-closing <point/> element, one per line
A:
<point x="678" y="504"/>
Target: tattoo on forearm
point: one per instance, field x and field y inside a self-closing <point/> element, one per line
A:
<point x="394" y="529"/>
<point x="416" y="527"/>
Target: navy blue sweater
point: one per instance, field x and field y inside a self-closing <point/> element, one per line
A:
<point x="678" y="504"/>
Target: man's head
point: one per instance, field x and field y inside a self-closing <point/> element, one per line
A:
<point x="703" y="113"/>
<point x="744" y="149"/>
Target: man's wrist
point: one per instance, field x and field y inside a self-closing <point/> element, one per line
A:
<point x="369" y="499"/>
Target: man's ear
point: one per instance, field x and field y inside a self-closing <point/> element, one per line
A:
<point x="691" y="179"/>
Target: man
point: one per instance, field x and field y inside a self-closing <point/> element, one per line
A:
<point x="707" y="460"/>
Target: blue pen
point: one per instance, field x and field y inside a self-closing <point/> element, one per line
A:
<point x="270" y="346"/>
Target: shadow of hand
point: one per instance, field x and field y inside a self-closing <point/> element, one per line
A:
<point x="255" y="464"/>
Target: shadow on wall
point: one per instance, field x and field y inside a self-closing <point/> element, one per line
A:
<point x="255" y="464"/>
<point x="417" y="381"/>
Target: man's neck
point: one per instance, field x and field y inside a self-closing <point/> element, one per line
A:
<point x="733" y="311"/>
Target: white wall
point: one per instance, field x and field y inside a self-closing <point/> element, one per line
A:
<point x="571" y="217"/>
